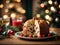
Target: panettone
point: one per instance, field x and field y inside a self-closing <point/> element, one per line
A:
<point x="35" y="27"/>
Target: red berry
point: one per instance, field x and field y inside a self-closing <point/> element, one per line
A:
<point x="49" y="35"/>
<point x="43" y="35"/>
<point x="30" y="36"/>
<point x="22" y="34"/>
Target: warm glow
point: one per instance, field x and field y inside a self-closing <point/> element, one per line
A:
<point x="21" y="10"/>
<point x="53" y="9"/>
<point x="38" y="15"/>
<point x="47" y="11"/>
<point x="6" y="10"/>
<point x="17" y="0"/>
<point x="11" y="5"/>
<point x="5" y="17"/>
<point x="48" y="17"/>
<point x="56" y="19"/>
<point x="7" y="1"/>
<point x="55" y="2"/>
<point x="59" y="5"/>
<point x="48" y="22"/>
<point x="1" y="5"/>
<point x="50" y="2"/>
<point x="42" y="5"/>
<point x="13" y="15"/>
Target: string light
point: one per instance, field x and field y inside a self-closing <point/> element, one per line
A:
<point x="1" y="5"/>
<point x="7" y="1"/>
<point x="13" y="15"/>
<point x="59" y="5"/>
<point x="50" y="2"/>
<point x="17" y="0"/>
<point x="56" y="19"/>
<point x="42" y="5"/>
<point x="48" y="17"/>
<point x="21" y="10"/>
<point x="5" y="16"/>
<point x="6" y="10"/>
<point x="38" y="15"/>
<point x="53" y="9"/>
<point x="48" y="22"/>
<point x="47" y="11"/>
<point x="11" y="5"/>
<point x="55" y="2"/>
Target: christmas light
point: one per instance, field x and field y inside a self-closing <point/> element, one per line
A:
<point x="6" y="10"/>
<point x="1" y="5"/>
<point x="48" y="17"/>
<point x="13" y="15"/>
<point x="59" y="5"/>
<point x="17" y="0"/>
<point x="55" y="2"/>
<point x="23" y="11"/>
<point x="56" y="19"/>
<point x="7" y="1"/>
<point x="47" y="11"/>
<point x="50" y="2"/>
<point x="11" y="5"/>
<point x="5" y="16"/>
<point x="42" y="5"/>
<point x="48" y="22"/>
<point x="38" y="15"/>
<point x="53" y="9"/>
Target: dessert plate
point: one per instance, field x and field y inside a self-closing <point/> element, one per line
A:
<point x="17" y="34"/>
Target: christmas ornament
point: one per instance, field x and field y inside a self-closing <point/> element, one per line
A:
<point x="4" y="33"/>
<point x="10" y="32"/>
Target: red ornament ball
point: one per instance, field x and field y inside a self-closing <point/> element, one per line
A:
<point x="11" y="32"/>
<point x="59" y="12"/>
<point x="0" y="29"/>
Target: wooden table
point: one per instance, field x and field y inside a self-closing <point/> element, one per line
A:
<point x="15" y="40"/>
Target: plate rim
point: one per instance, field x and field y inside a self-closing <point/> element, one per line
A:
<point x="36" y="38"/>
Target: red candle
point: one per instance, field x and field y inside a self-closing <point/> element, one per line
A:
<point x="16" y="23"/>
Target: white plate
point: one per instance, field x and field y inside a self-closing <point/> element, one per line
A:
<point x="35" y="38"/>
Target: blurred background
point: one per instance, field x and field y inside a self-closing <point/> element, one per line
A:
<point x="49" y="10"/>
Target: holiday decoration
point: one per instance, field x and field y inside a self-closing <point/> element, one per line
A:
<point x="49" y="10"/>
